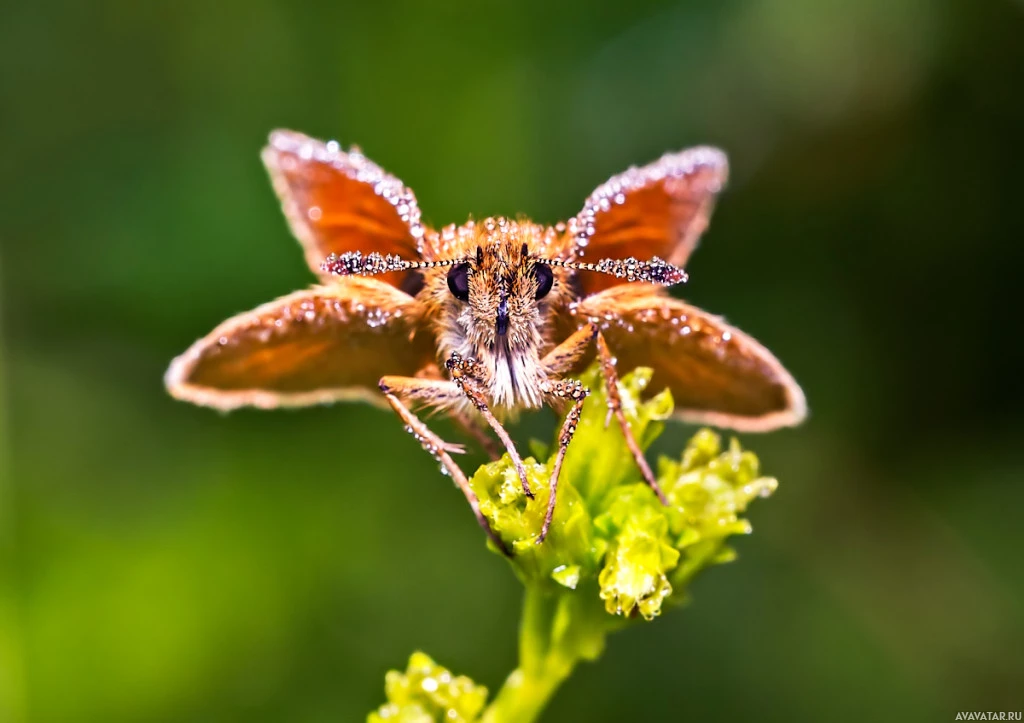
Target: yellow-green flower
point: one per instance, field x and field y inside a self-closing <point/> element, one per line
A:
<point x="609" y="528"/>
<point x="614" y="553"/>
<point x="427" y="692"/>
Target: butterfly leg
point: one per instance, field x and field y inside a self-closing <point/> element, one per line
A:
<point x="469" y="424"/>
<point x="560" y="391"/>
<point x="563" y="357"/>
<point x="467" y="374"/>
<point x="435" y="392"/>
<point x="611" y="379"/>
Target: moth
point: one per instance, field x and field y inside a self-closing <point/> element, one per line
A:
<point x="482" y="320"/>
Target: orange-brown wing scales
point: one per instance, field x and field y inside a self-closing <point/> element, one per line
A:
<point x="717" y="374"/>
<point x="658" y="210"/>
<point x="337" y="201"/>
<point x="316" y="346"/>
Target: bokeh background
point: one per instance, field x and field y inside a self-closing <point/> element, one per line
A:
<point x="166" y="563"/>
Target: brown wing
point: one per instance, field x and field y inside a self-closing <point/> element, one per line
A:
<point x="337" y="201"/>
<point x="658" y="210"/>
<point x="718" y="375"/>
<point x="325" y="344"/>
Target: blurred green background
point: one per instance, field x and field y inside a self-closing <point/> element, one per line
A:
<point x="163" y="562"/>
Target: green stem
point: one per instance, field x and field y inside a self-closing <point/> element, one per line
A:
<point x="523" y="697"/>
<point x="542" y="667"/>
<point x="557" y="631"/>
<point x="12" y="701"/>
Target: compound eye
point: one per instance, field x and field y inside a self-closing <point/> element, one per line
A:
<point x="458" y="281"/>
<point x="545" y="279"/>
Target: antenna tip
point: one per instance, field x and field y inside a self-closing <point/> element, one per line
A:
<point x="353" y="263"/>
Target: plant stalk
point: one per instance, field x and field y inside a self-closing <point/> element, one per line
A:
<point x="553" y="637"/>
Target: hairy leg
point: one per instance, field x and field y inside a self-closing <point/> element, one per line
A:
<point x="611" y="379"/>
<point x="563" y="357"/>
<point x="438" y="391"/>
<point x="466" y="373"/>
<point x="572" y="390"/>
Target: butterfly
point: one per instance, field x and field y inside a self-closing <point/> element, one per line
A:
<point x="485" y="319"/>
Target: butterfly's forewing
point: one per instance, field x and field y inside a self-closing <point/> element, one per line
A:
<point x="338" y="201"/>
<point x="658" y="210"/>
<point x="325" y="344"/>
<point x="718" y="375"/>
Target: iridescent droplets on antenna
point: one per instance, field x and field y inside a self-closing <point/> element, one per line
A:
<point x="354" y="263"/>
<point x="655" y="271"/>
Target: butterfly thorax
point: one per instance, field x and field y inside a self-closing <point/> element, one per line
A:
<point x="497" y="305"/>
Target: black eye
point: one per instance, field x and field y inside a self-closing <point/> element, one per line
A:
<point x="545" y="279"/>
<point x="458" y="282"/>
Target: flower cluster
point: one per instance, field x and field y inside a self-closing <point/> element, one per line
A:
<point x="426" y="692"/>
<point x="614" y="553"/>
<point x="608" y="525"/>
